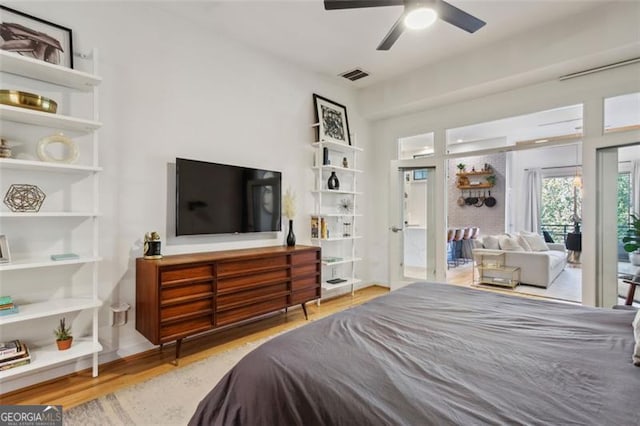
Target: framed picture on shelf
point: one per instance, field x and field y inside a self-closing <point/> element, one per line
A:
<point x="5" y="257"/>
<point x="333" y="124"/>
<point x="36" y="38"/>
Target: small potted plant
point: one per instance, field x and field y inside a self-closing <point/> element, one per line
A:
<point x="63" y="335"/>
<point x="632" y="240"/>
<point x="461" y="167"/>
<point x="491" y="179"/>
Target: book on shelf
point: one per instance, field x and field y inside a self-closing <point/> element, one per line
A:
<point x="17" y="364"/>
<point x="314" y="227"/>
<point x="4" y="300"/>
<point x="9" y="311"/>
<point x="7" y="306"/>
<point x="16" y="361"/>
<point x="16" y="349"/>
<point x="21" y="355"/>
<point x="8" y="348"/>
<point x="331" y="259"/>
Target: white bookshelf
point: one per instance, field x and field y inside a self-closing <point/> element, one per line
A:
<point x="341" y="241"/>
<point x="80" y="293"/>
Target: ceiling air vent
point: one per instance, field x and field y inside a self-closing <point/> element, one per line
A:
<point x="354" y="75"/>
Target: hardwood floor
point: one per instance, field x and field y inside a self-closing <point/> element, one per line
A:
<point x="80" y="387"/>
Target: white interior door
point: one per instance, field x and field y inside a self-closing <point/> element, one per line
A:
<point x="412" y="223"/>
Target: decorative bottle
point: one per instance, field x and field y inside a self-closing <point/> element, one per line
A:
<point x="291" y="237"/>
<point x="333" y="182"/>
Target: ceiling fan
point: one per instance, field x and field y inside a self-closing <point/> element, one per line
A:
<point x="417" y="14"/>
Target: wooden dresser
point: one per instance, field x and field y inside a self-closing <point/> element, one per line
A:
<point x="182" y="295"/>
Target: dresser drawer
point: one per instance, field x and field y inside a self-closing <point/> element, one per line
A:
<point x="247" y="297"/>
<point x="182" y="309"/>
<point x="302" y="270"/>
<point x="310" y="256"/>
<point x="247" y="265"/>
<point x="305" y="295"/>
<point x="250" y="311"/>
<point x="186" y="290"/>
<point x="194" y="273"/>
<point x="179" y="329"/>
<point x="302" y="283"/>
<point x="226" y="285"/>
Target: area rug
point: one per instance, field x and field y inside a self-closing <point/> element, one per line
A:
<point x="169" y="399"/>
<point x="567" y="286"/>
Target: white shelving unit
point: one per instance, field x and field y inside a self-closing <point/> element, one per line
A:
<point x="339" y="251"/>
<point x="69" y="294"/>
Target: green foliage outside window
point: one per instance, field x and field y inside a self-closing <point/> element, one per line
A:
<point x="557" y="204"/>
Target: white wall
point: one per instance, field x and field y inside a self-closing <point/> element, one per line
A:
<point x="490" y="220"/>
<point x="174" y="89"/>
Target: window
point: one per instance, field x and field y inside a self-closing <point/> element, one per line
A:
<point x="624" y="203"/>
<point x="622" y="113"/>
<point x="550" y="126"/>
<point x="561" y="202"/>
<point x="420" y="174"/>
<point x="415" y="146"/>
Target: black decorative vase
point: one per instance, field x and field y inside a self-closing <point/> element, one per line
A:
<point x="333" y="182"/>
<point x="291" y="237"/>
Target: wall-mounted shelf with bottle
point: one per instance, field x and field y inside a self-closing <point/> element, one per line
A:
<point x="335" y="218"/>
<point x="463" y="180"/>
<point x="475" y="173"/>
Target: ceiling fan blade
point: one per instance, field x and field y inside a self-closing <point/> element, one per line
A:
<point x="393" y="34"/>
<point x="355" y="4"/>
<point x="458" y="17"/>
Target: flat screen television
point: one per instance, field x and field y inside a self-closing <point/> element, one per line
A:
<point x="214" y="198"/>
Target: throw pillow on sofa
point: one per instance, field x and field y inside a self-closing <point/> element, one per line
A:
<point x="535" y="242"/>
<point x="491" y="242"/>
<point x="509" y="243"/>
<point x="523" y="243"/>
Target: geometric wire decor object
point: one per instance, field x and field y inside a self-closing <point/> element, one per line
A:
<point x="24" y="198"/>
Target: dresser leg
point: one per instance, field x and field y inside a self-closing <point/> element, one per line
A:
<point x="178" y="347"/>
<point x="161" y="346"/>
<point x="304" y="309"/>
<point x="286" y="309"/>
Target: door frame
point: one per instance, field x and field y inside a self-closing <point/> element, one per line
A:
<point x="437" y="168"/>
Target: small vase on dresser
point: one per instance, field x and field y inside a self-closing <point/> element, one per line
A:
<point x="291" y="237"/>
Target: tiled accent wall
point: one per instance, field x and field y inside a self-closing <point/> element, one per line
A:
<point x="490" y="220"/>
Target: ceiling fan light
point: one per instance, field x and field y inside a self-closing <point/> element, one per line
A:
<point x="420" y="18"/>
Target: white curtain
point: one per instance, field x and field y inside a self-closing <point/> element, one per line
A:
<point x="635" y="187"/>
<point x="532" y="199"/>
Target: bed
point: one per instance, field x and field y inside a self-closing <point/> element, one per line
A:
<point x="439" y="354"/>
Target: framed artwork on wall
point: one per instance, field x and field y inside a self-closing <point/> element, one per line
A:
<point x="36" y="38"/>
<point x="4" y="250"/>
<point x="333" y="124"/>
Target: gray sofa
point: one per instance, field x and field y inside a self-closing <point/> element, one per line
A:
<point x="537" y="268"/>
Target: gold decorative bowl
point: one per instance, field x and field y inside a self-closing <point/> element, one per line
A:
<point x="27" y="100"/>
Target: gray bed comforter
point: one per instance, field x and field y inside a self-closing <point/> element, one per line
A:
<point x="437" y="354"/>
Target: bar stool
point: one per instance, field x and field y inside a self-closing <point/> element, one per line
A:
<point x="457" y="244"/>
<point x="466" y="245"/>
<point x="450" y="248"/>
